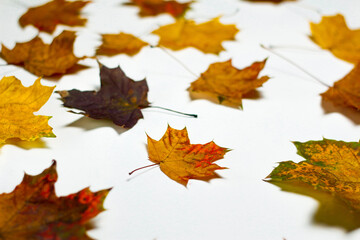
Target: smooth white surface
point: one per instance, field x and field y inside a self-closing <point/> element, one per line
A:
<point x="148" y="205"/>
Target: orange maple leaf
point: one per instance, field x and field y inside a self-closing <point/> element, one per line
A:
<point x="43" y="59"/>
<point x="346" y="91"/>
<point x="207" y="36"/>
<point x="46" y="17"/>
<point x="33" y="211"/>
<point x="113" y="44"/>
<point x="182" y="161"/>
<point x="227" y="83"/>
<point x="333" y="34"/>
<point x="156" y="7"/>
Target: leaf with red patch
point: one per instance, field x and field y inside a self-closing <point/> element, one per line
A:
<point x="33" y="211"/>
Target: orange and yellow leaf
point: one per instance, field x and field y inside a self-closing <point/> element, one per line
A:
<point x="17" y="104"/>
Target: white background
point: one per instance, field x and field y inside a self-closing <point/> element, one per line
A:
<point x="148" y="205"/>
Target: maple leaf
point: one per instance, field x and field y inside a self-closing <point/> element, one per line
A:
<point x="182" y="161"/>
<point x="33" y="211"/>
<point x="119" y="98"/>
<point x="17" y="104"/>
<point x="43" y="59"/>
<point x="156" y="7"/>
<point x="113" y="44"/>
<point x="207" y="36"/>
<point x="346" y="91"/>
<point x="46" y="17"/>
<point x="333" y="34"/>
<point x="272" y="1"/>
<point x="331" y="167"/>
<point x="228" y="83"/>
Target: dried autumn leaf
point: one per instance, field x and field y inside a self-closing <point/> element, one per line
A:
<point x="156" y="7"/>
<point x="272" y="1"/>
<point x="43" y="59"/>
<point x="33" y="211"/>
<point x="113" y="44"/>
<point x="182" y="161"/>
<point x="207" y="37"/>
<point x="46" y="17"/>
<point x="119" y="98"/>
<point x="331" y="167"/>
<point x="17" y="104"/>
<point x="333" y="34"/>
<point x="227" y="83"/>
<point x="346" y="91"/>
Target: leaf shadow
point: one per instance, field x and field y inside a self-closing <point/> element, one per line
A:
<point x="74" y="69"/>
<point x="26" y="145"/>
<point x="331" y="211"/>
<point x="252" y="95"/>
<point x="348" y="112"/>
<point x="88" y="124"/>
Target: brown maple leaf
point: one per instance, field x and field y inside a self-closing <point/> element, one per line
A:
<point x="113" y="44"/>
<point x="43" y="59"/>
<point x="156" y="7"/>
<point x="227" y="83"/>
<point x="346" y="91"/>
<point x="182" y="161"/>
<point x="207" y="36"/>
<point x="46" y="17"/>
<point x="331" y="168"/>
<point x="120" y="98"/>
<point x="333" y="34"/>
<point x="33" y="211"/>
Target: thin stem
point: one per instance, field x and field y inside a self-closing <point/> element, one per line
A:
<point x="177" y="60"/>
<point x="142" y="168"/>
<point x="170" y="110"/>
<point x="294" y="64"/>
<point x="292" y="47"/>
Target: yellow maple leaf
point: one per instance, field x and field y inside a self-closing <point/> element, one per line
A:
<point x="227" y="83"/>
<point x="333" y="34"/>
<point x="332" y="168"/>
<point x="44" y="59"/>
<point x="113" y="44"/>
<point x="182" y="161"/>
<point x="207" y="36"/>
<point x="346" y="91"/>
<point x="17" y="104"/>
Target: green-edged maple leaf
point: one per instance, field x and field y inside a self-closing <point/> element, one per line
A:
<point x="332" y="168"/>
<point x="156" y="7"/>
<point x="43" y="59"/>
<point x="33" y="211"/>
<point x="46" y="17"/>
<point x="182" y="161"/>
<point x="119" y="98"/>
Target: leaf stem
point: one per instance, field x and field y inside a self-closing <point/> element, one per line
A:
<point x="292" y="47"/>
<point x="143" y="167"/>
<point x="295" y="64"/>
<point x="170" y="110"/>
<point x="177" y="60"/>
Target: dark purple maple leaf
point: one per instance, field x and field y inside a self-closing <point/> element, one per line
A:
<point x="120" y="98"/>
